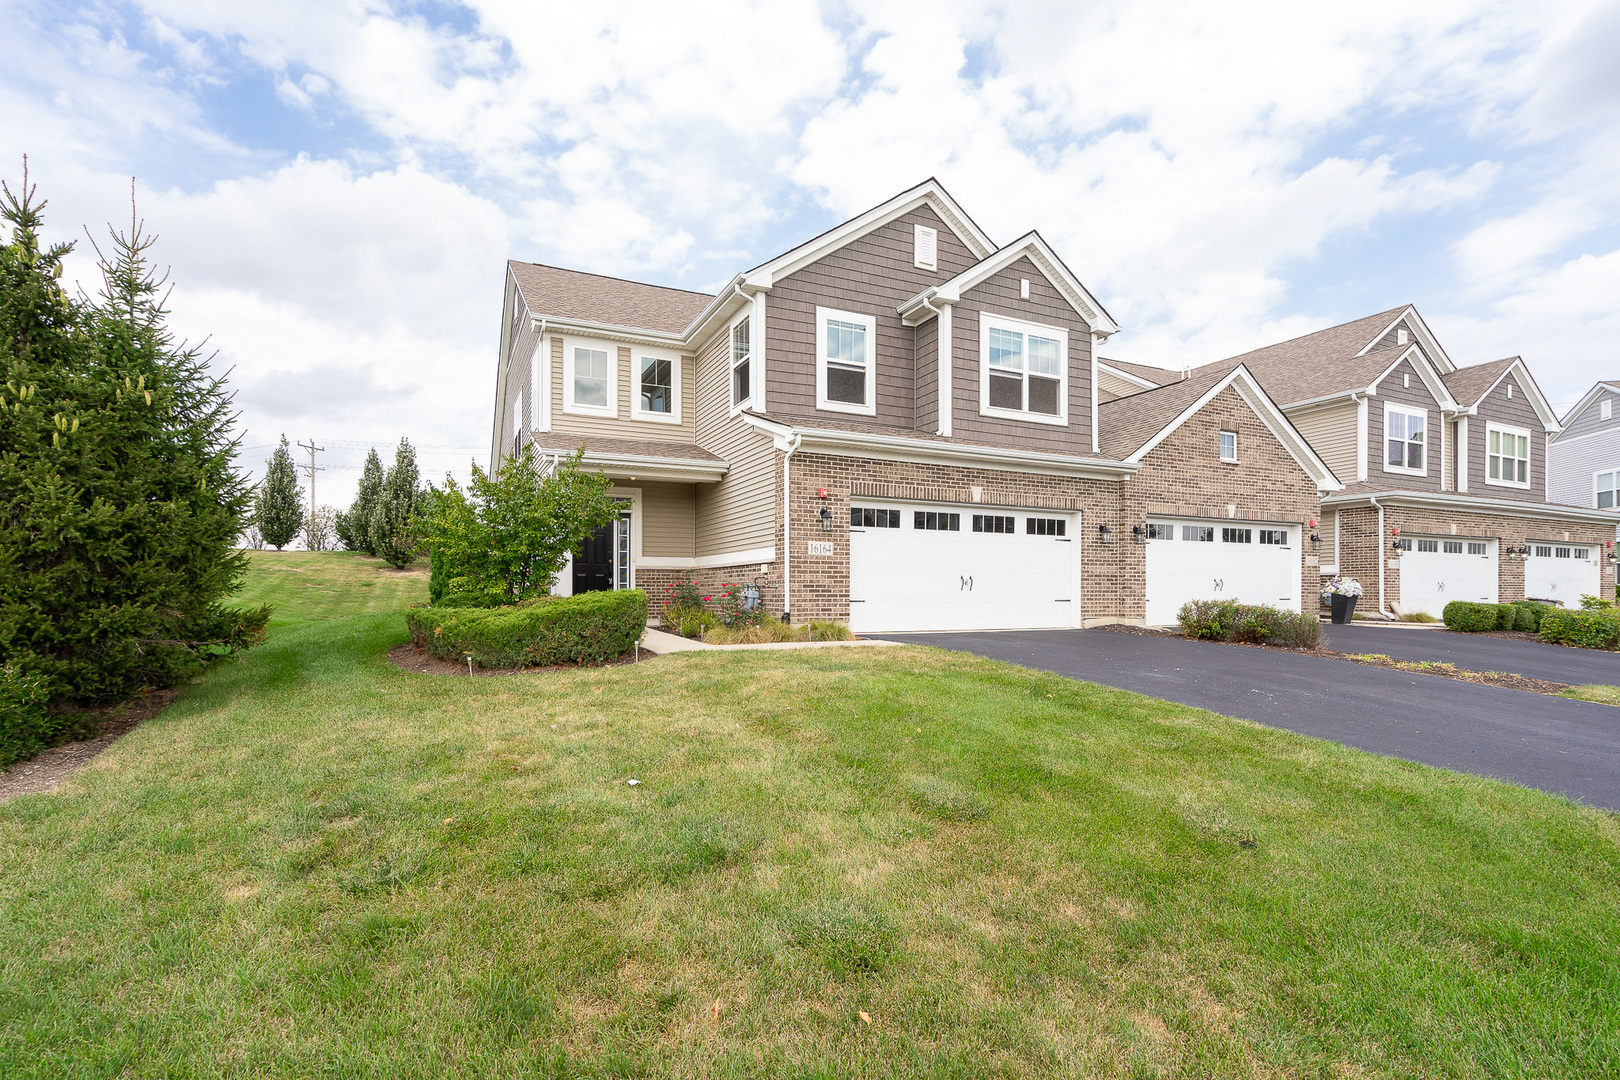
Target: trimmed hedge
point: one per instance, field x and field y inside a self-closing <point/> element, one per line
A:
<point x="1590" y="629"/>
<point x="1531" y="613"/>
<point x="1471" y="618"/>
<point x="588" y="629"/>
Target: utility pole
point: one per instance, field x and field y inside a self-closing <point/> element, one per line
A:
<point x="312" y="469"/>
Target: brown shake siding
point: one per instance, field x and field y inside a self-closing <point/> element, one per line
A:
<point x="621" y="426"/>
<point x="926" y="364"/>
<point x="1517" y="411"/>
<point x="738" y="513"/>
<point x="1000" y="295"/>
<point x="1416" y="396"/>
<point x="871" y="276"/>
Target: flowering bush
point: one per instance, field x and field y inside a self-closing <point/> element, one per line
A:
<point x="735" y="611"/>
<point x="683" y="594"/>
<point x="1341" y="586"/>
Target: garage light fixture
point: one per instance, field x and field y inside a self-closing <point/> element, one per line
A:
<point x="1520" y="553"/>
<point x="1139" y="534"/>
<point x="826" y="519"/>
<point x="1105" y="535"/>
<point x="1316" y="542"/>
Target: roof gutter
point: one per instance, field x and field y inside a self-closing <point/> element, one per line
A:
<point x="1453" y="501"/>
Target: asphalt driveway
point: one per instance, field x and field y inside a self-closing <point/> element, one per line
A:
<point x="1555" y="744"/>
<point x="1534" y="659"/>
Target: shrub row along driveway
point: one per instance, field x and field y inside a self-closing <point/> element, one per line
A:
<point x="1535" y="659"/>
<point x="1554" y="744"/>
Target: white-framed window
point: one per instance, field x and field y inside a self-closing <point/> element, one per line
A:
<point x="1406" y="433"/>
<point x="1608" y="489"/>
<point x="1023" y="370"/>
<point x="1229" y="446"/>
<point x="742" y="355"/>
<point x="925" y="248"/>
<point x="590" y="377"/>
<point x="846" y="361"/>
<point x="1507" y="456"/>
<point x="656" y="395"/>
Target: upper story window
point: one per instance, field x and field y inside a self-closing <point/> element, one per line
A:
<point x="1608" y="489"/>
<point x="741" y="358"/>
<point x="1023" y="370"/>
<point x="1406" y="432"/>
<point x="925" y="248"/>
<point x="589" y="379"/>
<point x="658" y="388"/>
<point x="1229" y="446"/>
<point x="1507" y="456"/>
<point x="846" y="361"/>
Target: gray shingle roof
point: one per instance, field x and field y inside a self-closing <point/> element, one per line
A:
<point x="1319" y="364"/>
<point x="1125" y="424"/>
<point x="573" y="294"/>
<point x="556" y="440"/>
<point x="1469" y="384"/>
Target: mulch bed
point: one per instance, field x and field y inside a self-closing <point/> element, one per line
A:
<point x="410" y="658"/>
<point x="1417" y="667"/>
<point x="44" y="772"/>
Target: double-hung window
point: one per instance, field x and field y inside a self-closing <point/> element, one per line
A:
<point x="1608" y="489"/>
<point x="658" y="388"/>
<point x="846" y="361"/>
<point x="1229" y="446"/>
<point x="1507" y="456"/>
<point x="589" y="378"/>
<point x="742" y="354"/>
<point x="1023" y="370"/>
<point x="1406" y="434"/>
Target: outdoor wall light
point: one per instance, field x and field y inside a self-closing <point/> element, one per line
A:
<point x="1316" y="542"/>
<point x="1139" y="534"/>
<point x="1105" y="535"/>
<point x="826" y="519"/>
<point x="1517" y="552"/>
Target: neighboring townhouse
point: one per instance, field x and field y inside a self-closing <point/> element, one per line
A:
<point x="1447" y="487"/>
<point x="1583" y="459"/>
<point x="900" y="424"/>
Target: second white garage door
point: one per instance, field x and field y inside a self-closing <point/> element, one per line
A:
<point x="1436" y="571"/>
<point x="1219" y="560"/>
<point x="1562" y="572"/>
<point x="915" y="567"/>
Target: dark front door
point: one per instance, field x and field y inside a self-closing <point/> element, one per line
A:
<point x="593" y="562"/>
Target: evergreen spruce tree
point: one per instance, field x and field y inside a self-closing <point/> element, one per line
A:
<point x="394" y="528"/>
<point x="279" y="508"/>
<point x="120" y="504"/>
<point x="358" y="521"/>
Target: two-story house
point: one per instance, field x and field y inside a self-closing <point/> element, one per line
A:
<point x="902" y="424"/>
<point x="1583" y="458"/>
<point x="1447" y="488"/>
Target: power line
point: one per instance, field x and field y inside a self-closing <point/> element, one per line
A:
<point x="312" y="469"/>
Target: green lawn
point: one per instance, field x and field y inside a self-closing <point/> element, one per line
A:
<point x="318" y="864"/>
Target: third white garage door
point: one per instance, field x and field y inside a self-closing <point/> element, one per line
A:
<point x="916" y="567"/>
<point x="1219" y="560"/>
<point x="1436" y="571"/>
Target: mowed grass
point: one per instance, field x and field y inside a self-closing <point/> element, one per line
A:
<point x="318" y="864"/>
<point x="309" y="585"/>
<point x="1603" y="695"/>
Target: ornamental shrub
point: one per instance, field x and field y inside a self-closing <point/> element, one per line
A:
<point x="27" y="725"/>
<point x="464" y="600"/>
<point x="1468" y="617"/>
<point x="591" y="628"/>
<point x="1298" y="630"/>
<point x="1587" y="629"/>
<point x="1251" y="624"/>
<point x="1208" y="620"/>
<point x="1256" y="624"/>
<point x="1530" y="615"/>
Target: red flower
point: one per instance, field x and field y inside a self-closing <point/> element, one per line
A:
<point x="706" y="599"/>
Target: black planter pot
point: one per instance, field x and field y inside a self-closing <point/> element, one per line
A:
<point x="1344" y="608"/>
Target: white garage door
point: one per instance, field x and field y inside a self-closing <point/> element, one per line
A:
<point x="915" y="567"/>
<point x="1562" y="572"/>
<point x="1219" y="560"/>
<point x="1436" y="571"/>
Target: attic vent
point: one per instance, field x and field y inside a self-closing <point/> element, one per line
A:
<point x="1510" y="391"/>
<point x="1605" y="409"/>
<point x="1023" y="288"/>
<point x="926" y="248"/>
<point x="1406" y="381"/>
<point x="1401" y="337"/>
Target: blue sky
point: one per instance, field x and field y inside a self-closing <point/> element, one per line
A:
<point x="337" y="185"/>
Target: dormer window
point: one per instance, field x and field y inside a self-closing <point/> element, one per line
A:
<point x="925" y="248"/>
<point x="741" y="355"/>
<point x="1405" y="433"/>
<point x="1023" y="370"/>
<point x="846" y="361"/>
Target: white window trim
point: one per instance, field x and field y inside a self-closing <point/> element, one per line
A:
<point x="1529" y="456"/>
<point x="1595" y="489"/>
<point x="569" y="404"/>
<point x="822" y="400"/>
<point x="986" y="321"/>
<point x="731" y="362"/>
<point x="1428" y="441"/>
<point x="1233" y="460"/>
<point x="675" y="373"/>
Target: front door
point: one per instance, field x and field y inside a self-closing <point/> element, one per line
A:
<point x="593" y="562"/>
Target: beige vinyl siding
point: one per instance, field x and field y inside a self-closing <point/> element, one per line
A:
<point x="1000" y="295"/>
<point x="739" y="512"/>
<point x="1114" y="386"/>
<point x="621" y="426"/>
<point x="667" y="520"/>
<point x="1416" y="396"/>
<point x="1332" y="434"/>
<point x="1517" y="411"/>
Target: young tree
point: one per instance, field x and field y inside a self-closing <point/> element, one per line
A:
<point x="358" y="520"/>
<point x="279" y="508"/>
<point x="120" y="503"/>
<point x="394" y="528"/>
<point x="510" y="538"/>
<point x="320" y="529"/>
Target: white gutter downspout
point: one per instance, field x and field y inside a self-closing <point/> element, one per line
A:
<point x="1383" y="608"/>
<point x="787" y="529"/>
